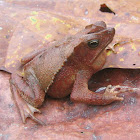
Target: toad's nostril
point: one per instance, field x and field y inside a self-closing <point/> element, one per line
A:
<point x="111" y="31"/>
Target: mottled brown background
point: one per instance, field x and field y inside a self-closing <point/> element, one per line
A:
<point x="27" y="25"/>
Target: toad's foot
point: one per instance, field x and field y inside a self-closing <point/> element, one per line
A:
<point x="26" y="110"/>
<point x="111" y="92"/>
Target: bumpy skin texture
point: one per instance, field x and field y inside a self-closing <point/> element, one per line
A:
<point x="64" y="68"/>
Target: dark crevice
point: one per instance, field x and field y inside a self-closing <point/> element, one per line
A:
<point x="105" y="8"/>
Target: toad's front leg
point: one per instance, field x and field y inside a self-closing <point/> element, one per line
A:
<point x="27" y="95"/>
<point x="81" y="93"/>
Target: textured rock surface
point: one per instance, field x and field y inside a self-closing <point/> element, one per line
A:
<point x="67" y="120"/>
<point x="23" y="28"/>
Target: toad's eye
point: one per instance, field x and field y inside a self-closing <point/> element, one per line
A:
<point x="93" y="43"/>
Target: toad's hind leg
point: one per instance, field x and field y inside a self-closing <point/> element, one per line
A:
<point x="27" y="97"/>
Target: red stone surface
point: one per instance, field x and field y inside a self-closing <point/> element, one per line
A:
<point x="23" y="28"/>
<point x="68" y="120"/>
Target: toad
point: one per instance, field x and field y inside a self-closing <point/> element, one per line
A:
<point x="64" y="68"/>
